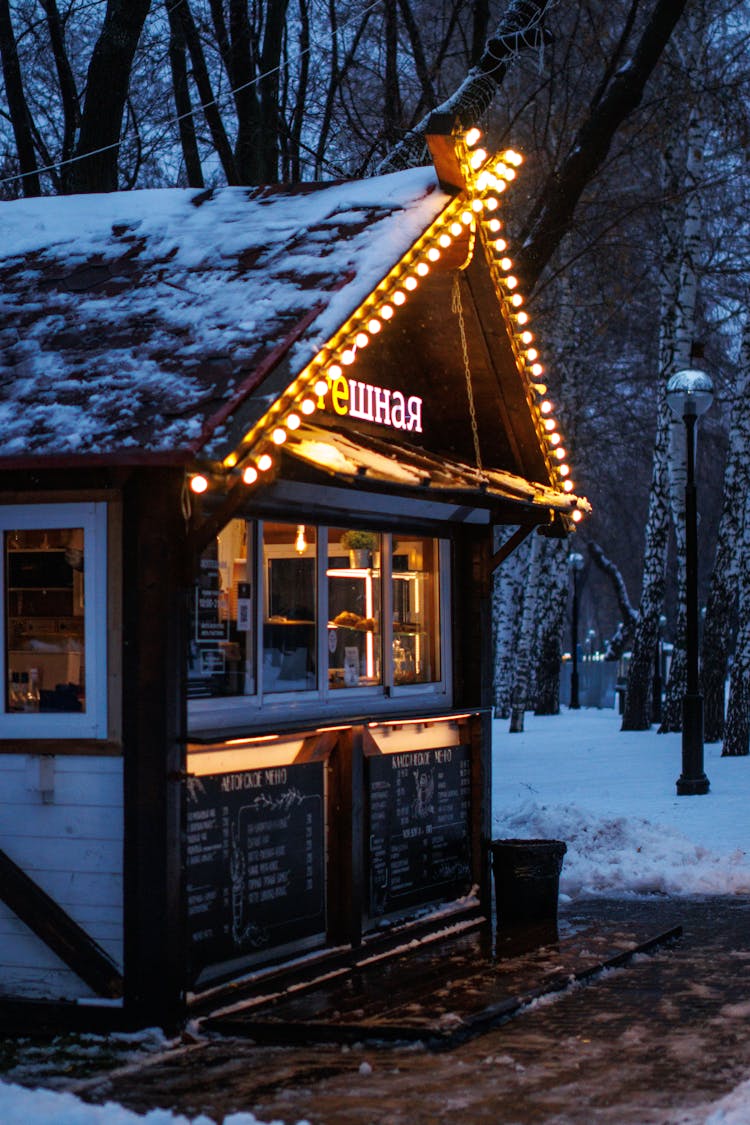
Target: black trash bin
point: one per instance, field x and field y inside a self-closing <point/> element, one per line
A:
<point x="527" y="881"/>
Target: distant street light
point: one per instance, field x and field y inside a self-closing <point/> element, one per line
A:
<point x="656" y="684"/>
<point x="575" y="562"/>
<point x="689" y="394"/>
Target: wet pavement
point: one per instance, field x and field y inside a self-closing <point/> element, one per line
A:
<point x="655" y="1041"/>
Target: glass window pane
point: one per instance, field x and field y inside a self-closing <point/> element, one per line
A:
<point x="44" y="618"/>
<point x="354" y="614"/>
<point x="289" y="644"/>
<point x="221" y="656"/>
<point x="416" y="620"/>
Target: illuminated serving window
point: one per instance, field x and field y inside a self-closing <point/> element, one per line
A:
<point x="294" y="612"/>
<point x="354" y="608"/>
<point x="54" y="620"/>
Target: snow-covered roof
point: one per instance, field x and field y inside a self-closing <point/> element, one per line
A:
<point x="127" y="320"/>
<point x="199" y="327"/>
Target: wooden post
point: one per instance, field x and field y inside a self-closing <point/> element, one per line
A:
<point x="154" y="722"/>
<point x="346" y="839"/>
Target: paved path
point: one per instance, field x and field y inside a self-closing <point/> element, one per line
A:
<point x="653" y="1043"/>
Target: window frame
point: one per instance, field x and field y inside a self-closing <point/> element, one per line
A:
<point x="91" y="723"/>
<point x="235" y="711"/>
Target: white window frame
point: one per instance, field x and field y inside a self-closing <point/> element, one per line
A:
<point x="91" y="723"/>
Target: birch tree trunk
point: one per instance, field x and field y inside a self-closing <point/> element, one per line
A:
<point x="552" y="599"/>
<point x="684" y="336"/>
<point x="522" y="674"/>
<point x="725" y="578"/>
<point x="737" y="727"/>
<point x="507" y="594"/>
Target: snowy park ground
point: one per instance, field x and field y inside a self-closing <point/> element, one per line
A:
<point x="575" y="777"/>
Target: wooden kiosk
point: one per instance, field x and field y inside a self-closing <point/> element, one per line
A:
<point x="255" y="444"/>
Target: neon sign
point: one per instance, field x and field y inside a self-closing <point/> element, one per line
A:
<point x="384" y="407"/>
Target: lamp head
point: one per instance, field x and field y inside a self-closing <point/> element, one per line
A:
<point x="689" y="392"/>
<point x="575" y="561"/>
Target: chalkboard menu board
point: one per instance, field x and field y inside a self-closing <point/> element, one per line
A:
<point x="419" y="827"/>
<point x="255" y="863"/>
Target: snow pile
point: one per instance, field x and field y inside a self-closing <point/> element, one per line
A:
<point x="734" y="1109"/>
<point x="19" y="1106"/>
<point x="611" y="797"/>
<point x="628" y="854"/>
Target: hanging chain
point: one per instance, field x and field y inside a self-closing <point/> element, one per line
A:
<point x="457" y="308"/>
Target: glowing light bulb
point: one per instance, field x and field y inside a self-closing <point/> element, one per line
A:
<point x="526" y="338"/>
<point x="511" y="281"/>
<point x="467" y="218"/>
<point x="410" y="283"/>
<point x="333" y="373"/>
<point x="321" y="388"/>
<point x="576" y="516"/>
<point x="537" y="370"/>
<point x="494" y="225"/>
<point x="374" y="326"/>
<point x="477" y="205"/>
<point x="506" y="264"/>
<point x="433" y="253"/>
<point x="491" y="203"/>
<point x="398" y="297"/>
<point x="455" y="229"/>
<point x="516" y="300"/>
<point x="423" y="269"/>
<point x="264" y="462"/>
<point x="278" y="437"/>
<point x="546" y="407"/>
<point x="563" y="470"/>
<point x="512" y="157"/>
<point x="477" y="158"/>
<point x="386" y="312"/>
<point x="473" y="136"/>
<point x="250" y="474"/>
<point x="568" y="485"/>
<point x="509" y="174"/>
<point x="293" y="422"/>
<point x="550" y="424"/>
<point x="361" y="339"/>
<point x="522" y="317"/>
<point x="307" y="406"/>
<point x="300" y="543"/>
<point x="560" y="453"/>
<point x="348" y="356"/>
<point x="532" y="353"/>
<point x="499" y="245"/>
<point x="554" y="439"/>
<point x="445" y="240"/>
<point x="198" y="483"/>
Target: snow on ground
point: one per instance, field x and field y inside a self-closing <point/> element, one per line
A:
<point x="611" y="797"/>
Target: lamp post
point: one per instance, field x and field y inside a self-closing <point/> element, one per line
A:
<point x="575" y="562"/>
<point x="689" y="394"/>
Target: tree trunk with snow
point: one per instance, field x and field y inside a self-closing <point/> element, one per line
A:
<point x="522" y="676"/>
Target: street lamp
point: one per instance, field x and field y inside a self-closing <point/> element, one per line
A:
<point x="575" y="562"/>
<point x="689" y="394"/>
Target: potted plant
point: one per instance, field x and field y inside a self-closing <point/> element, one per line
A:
<point x="359" y="544"/>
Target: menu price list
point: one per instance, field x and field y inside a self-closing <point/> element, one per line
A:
<point x="419" y="827"/>
<point x="255" y="861"/>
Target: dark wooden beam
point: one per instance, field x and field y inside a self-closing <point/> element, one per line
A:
<point x="57" y="930"/>
<point x="155" y="612"/>
<point x="510" y="545"/>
